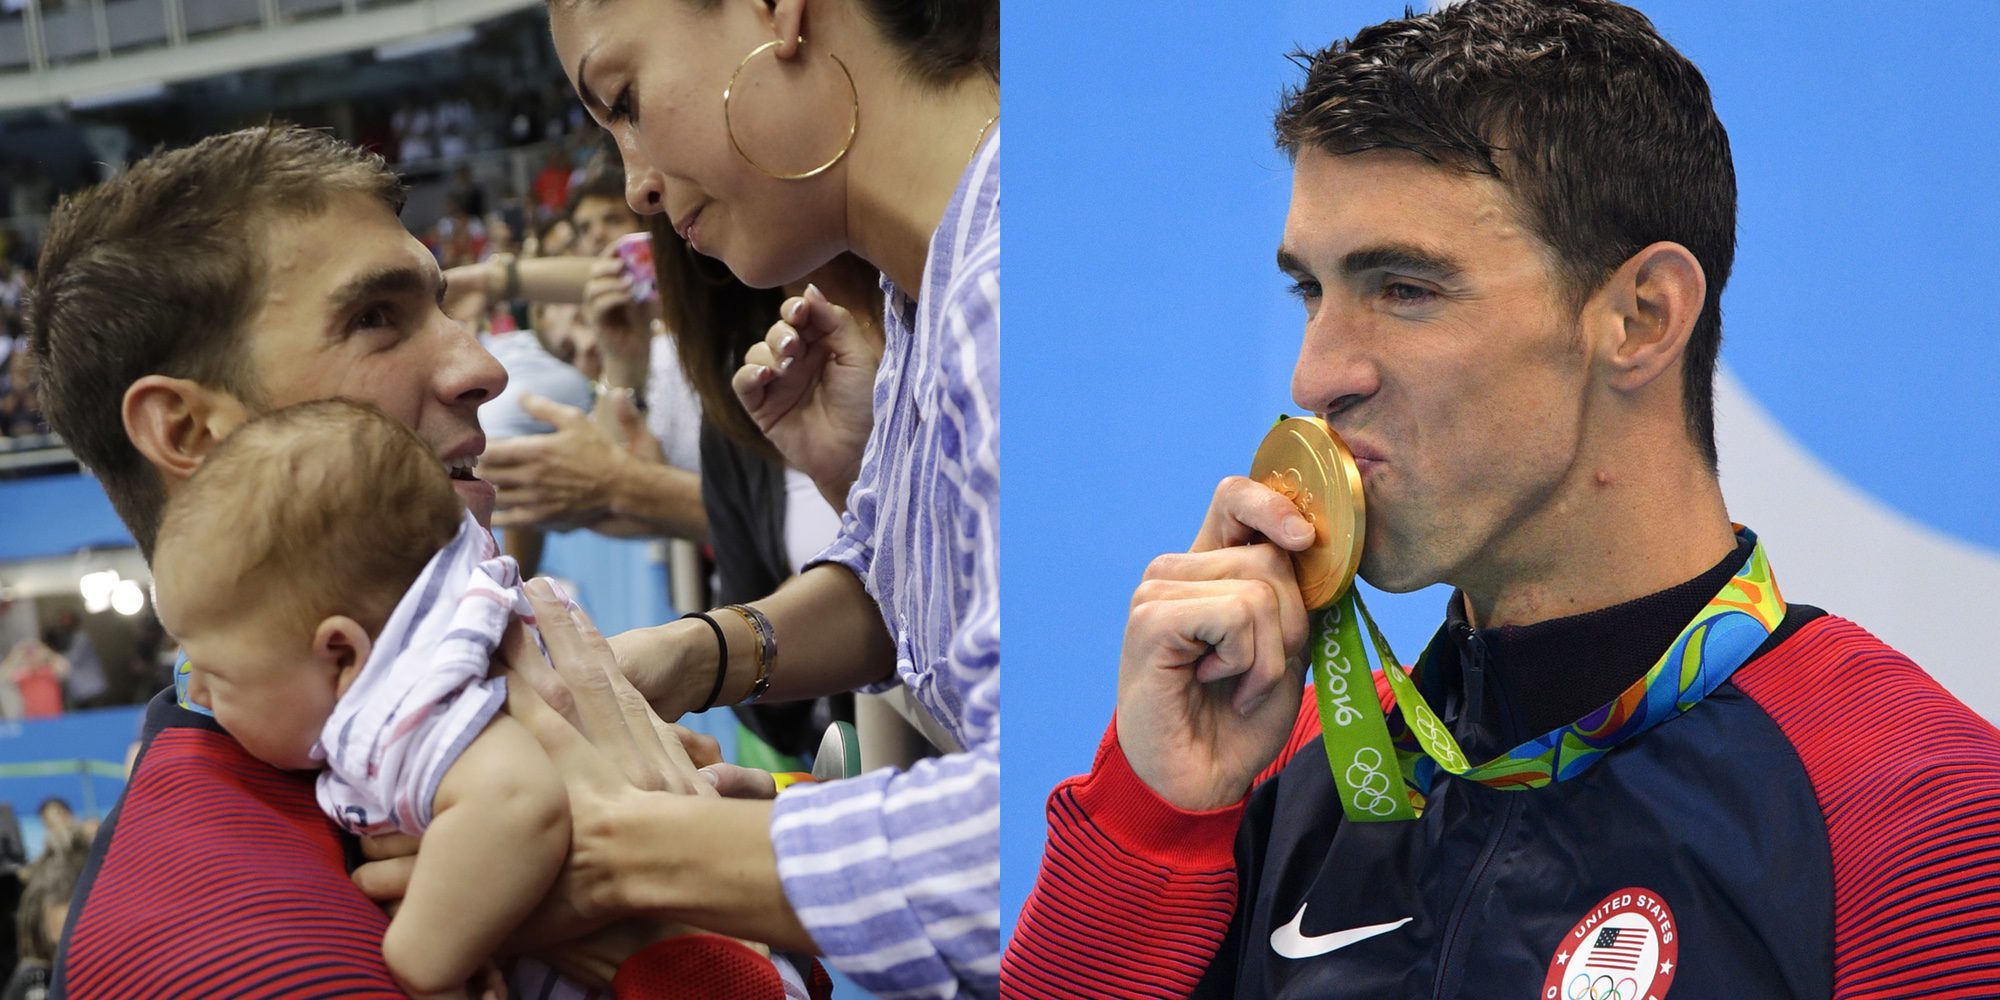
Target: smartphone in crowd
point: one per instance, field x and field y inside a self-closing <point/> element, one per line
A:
<point x="636" y="253"/>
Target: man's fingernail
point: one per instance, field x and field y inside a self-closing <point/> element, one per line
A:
<point x="1301" y="531"/>
<point x="1251" y="707"/>
<point x="711" y="777"/>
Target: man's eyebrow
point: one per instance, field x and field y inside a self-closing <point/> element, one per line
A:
<point x="1291" y="265"/>
<point x="1403" y="259"/>
<point x="396" y="279"/>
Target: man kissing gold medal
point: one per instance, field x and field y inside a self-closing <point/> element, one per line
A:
<point x="1625" y="767"/>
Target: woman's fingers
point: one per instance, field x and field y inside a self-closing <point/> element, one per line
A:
<point x="524" y="657"/>
<point x="611" y="713"/>
<point x="784" y="344"/>
<point x="596" y="711"/>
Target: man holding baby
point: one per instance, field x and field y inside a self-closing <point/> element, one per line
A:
<point x="204" y="289"/>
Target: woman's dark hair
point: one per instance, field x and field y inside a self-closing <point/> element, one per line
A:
<point x="941" y="40"/>
<point x="713" y="319"/>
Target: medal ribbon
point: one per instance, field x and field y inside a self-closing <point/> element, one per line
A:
<point x="1359" y="743"/>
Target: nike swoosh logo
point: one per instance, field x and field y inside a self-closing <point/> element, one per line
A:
<point x="1289" y="942"/>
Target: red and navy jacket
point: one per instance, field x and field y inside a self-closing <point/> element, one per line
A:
<point x="1824" y="824"/>
<point x="217" y="875"/>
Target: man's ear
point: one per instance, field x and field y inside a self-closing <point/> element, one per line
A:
<point x="1655" y="298"/>
<point x="174" y="422"/>
<point x="340" y="649"/>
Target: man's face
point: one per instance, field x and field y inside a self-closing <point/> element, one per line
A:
<point x="350" y="309"/>
<point x="1439" y="345"/>
<point x="598" y="223"/>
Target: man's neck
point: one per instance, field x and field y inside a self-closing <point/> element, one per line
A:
<point x="1621" y="526"/>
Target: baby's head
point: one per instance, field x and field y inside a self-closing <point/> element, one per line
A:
<point x="281" y="559"/>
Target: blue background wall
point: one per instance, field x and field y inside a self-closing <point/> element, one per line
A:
<point x="1150" y="342"/>
<point x="54" y="515"/>
<point x="78" y="757"/>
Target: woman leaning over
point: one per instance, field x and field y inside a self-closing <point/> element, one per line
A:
<point x="775" y="136"/>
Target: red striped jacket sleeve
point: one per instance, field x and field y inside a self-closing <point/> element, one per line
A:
<point x="1909" y="781"/>
<point x="1134" y="895"/>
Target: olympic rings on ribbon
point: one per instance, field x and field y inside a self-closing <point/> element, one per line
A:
<point x="1435" y="737"/>
<point x="1370" y="794"/>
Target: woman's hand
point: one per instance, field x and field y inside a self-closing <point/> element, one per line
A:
<point x="810" y="386"/>
<point x="610" y="749"/>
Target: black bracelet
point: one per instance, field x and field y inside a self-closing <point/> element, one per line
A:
<point x="721" y="662"/>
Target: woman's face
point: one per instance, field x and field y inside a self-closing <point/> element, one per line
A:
<point x="653" y="75"/>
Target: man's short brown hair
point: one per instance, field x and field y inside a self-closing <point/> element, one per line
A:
<point x="1605" y="135"/>
<point x="158" y="271"/>
<point x="330" y="507"/>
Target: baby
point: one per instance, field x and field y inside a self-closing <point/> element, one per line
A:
<point x="339" y="608"/>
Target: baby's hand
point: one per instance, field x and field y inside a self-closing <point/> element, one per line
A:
<point x="487" y="983"/>
<point x="385" y="878"/>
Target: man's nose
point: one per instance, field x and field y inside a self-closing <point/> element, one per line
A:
<point x="1335" y="371"/>
<point x="470" y="373"/>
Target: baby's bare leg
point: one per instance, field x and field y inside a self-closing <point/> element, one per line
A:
<point x="498" y="835"/>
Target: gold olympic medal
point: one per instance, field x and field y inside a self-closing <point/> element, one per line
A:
<point x="1306" y="461"/>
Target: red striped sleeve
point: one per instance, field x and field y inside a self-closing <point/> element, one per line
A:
<point x="1134" y="895"/>
<point x="222" y="874"/>
<point x="1909" y="781"/>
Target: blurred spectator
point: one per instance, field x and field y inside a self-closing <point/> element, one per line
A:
<point x="465" y="193"/>
<point x="38" y="923"/>
<point x="86" y="685"/>
<point x="552" y="184"/>
<point x="13" y="284"/>
<point x="36" y="671"/>
<point x="58" y="822"/>
<point x="151" y="667"/>
<point x="20" y="414"/>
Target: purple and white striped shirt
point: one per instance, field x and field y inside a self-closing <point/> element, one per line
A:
<point x="897" y="874"/>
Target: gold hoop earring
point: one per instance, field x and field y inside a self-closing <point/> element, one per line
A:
<point x="853" y="124"/>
